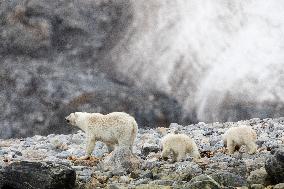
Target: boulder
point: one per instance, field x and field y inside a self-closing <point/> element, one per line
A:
<point x="274" y="166"/>
<point x="258" y="176"/>
<point x="26" y="175"/>
<point x="202" y="181"/>
<point x="121" y="161"/>
<point x="229" y="179"/>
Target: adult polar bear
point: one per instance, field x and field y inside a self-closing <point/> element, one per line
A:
<point x="114" y="128"/>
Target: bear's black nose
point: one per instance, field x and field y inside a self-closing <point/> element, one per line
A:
<point x="67" y="120"/>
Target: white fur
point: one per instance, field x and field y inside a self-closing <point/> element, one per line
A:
<point x="114" y="128"/>
<point x="238" y="136"/>
<point x="179" y="145"/>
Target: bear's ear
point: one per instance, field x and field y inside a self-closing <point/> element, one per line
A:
<point x="76" y="115"/>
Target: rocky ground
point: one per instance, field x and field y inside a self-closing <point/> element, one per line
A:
<point x="145" y="169"/>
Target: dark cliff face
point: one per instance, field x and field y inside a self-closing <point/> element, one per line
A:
<point x="52" y="63"/>
<point x="151" y="60"/>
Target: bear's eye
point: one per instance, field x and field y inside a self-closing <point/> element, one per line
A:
<point x="67" y="120"/>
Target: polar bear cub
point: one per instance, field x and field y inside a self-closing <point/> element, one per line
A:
<point x="235" y="137"/>
<point x="113" y="128"/>
<point x="179" y="145"/>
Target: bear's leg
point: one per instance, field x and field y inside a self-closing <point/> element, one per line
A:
<point x="192" y="149"/>
<point x="181" y="155"/>
<point x="90" y="145"/>
<point x="195" y="154"/>
<point x="131" y="146"/>
<point x="133" y="137"/>
<point x="165" y="153"/>
<point x="175" y="156"/>
<point x="251" y="147"/>
<point x="225" y="143"/>
<point x="230" y="146"/>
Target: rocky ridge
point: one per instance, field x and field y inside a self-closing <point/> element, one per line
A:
<point x="145" y="169"/>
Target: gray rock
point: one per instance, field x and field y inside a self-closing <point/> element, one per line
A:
<point x="79" y="167"/>
<point x="202" y="181"/>
<point x="63" y="155"/>
<point x="147" y="174"/>
<point x="122" y="160"/>
<point x="150" y="164"/>
<point x="187" y="170"/>
<point x="258" y="176"/>
<point x="87" y="172"/>
<point x="113" y="186"/>
<point x="100" y="150"/>
<point x="3" y="152"/>
<point x="142" y="181"/>
<point x="147" y="148"/>
<point x="83" y="178"/>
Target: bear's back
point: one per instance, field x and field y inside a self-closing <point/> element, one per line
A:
<point x="241" y="133"/>
<point x="176" y="139"/>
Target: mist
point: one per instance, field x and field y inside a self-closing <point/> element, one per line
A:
<point x="222" y="60"/>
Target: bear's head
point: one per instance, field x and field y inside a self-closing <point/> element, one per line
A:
<point x="76" y="118"/>
<point x="71" y="119"/>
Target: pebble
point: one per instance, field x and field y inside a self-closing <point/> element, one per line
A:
<point x="124" y="179"/>
<point x="3" y="152"/>
<point x="64" y="154"/>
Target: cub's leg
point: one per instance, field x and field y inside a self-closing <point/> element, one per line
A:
<point x="165" y="153"/>
<point x="175" y="156"/>
<point x="251" y="147"/>
<point x="180" y="155"/>
<point x="230" y="146"/>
